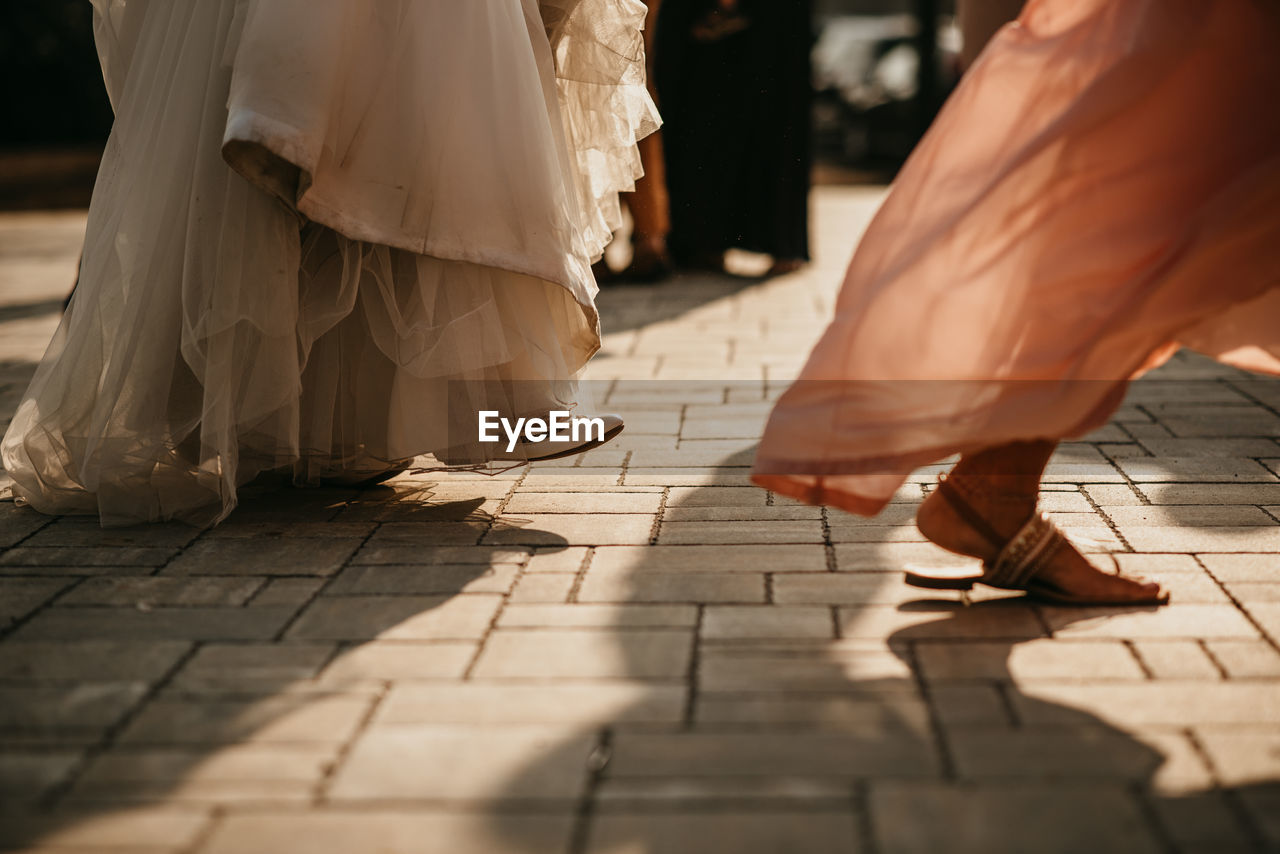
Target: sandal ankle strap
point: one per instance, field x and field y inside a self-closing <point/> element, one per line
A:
<point x="1029" y="551"/>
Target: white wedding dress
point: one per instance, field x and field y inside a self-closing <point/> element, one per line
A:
<point x="324" y="234"/>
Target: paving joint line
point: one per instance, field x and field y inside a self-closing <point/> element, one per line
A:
<point x="865" y="829"/>
<point x="213" y="819"/>
<point x="109" y="734"/>
<point x="1231" y="382"/>
<point x="655" y="529"/>
<point x="691" y="676"/>
<point x="320" y="794"/>
<point x="1138" y="658"/>
<point x="602" y="753"/>
<point x="1004" y="691"/>
<point x="1106" y="518"/>
<point x="248" y="602"/>
<point x="1243" y="816"/>
<point x="46" y="605"/>
<point x="325" y="584"/>
<point x="624" y="468"/>
<point x="946" y="759"/>
<point x="828" y="547"/>
<point x="44" y="523"/>
<point x="1155" y="824"/>
<point x="1246" y="820"/>
<point x="1213" y="659"/>
<point x="1273" y="642"/>
<point x="492" y="626"/>
<point x="580" y="575"/>
<point x="1038" y="612"/>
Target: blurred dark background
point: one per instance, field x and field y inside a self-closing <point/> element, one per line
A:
<point x="877" y="83"/>
<point x="47" y="56"/>
<point x="58" y="112"/>
<point x="881" y="71"/>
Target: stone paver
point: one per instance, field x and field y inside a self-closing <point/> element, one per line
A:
<point x="747" y="833"/>
<point x="1176" y="659"/>
<point x="133" y="623"/>
<point x="729" y="623"/>
<point x="285" y="556"/>
<point x="363" y="618"/>
<point x="424" y="580"/>
<point x="555" y="653"/>
<point x="466" y="763"/>
<point x="229" y="667"/>
<point x="800" y="667"/>
<point x="1245" y="659"/>
<point x="418" y="830"/>
<point x="152" y="827"/>
<point x="1040" y="659"/>
<point x="144" y="592"/>
<point x="546" y="702"/>
<point x="88" y="661"/>
<point x="22" y="596"/>
<point x="857" y="754"/>
<point x="674" y="587"/>
<point x="1244" y="755"/>
<point x="90" y="705"/>
<point x="636" y="651"/>
<point x="1008" y="818"/>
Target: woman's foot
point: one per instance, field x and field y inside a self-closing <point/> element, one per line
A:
<point x="1066" y="571"/>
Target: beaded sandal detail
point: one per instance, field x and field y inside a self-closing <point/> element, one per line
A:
<point x="1019" y="561"/>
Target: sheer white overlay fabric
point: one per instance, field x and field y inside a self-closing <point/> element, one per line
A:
<point x="324" y="233"/>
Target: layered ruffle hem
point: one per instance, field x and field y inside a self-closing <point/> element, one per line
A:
<point x="324" y="235"/>
<point x="1102" y="188"/>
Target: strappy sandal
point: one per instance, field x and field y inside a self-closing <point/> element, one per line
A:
<point x="1018" y="562"/>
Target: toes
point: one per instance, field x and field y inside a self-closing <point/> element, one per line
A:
<point x="1146" y="590"/>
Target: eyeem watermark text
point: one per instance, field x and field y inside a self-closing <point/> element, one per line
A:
<point x="558" y="426"/>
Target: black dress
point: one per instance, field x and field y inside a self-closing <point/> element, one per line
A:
<point x="735" y="96"/>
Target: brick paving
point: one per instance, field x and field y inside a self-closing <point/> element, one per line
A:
<point x="634" y="651"/>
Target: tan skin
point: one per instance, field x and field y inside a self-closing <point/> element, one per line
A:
<point x="1003" y="485"/>
<point x="649" y="203"/>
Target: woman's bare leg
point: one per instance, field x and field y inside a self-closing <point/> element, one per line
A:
<point x="650" y="204"/>
<point x="1003" y="485"/>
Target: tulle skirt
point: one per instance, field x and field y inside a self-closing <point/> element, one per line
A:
<point x="1103" y="187"/>
<point x="324" y="235"/>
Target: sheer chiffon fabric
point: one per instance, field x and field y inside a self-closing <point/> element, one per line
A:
<point x="324" y="234"/>
<point x="1102" y="188"/>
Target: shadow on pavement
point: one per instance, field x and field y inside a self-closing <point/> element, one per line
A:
<point x="234" y="673"/>
<point x="624" y="308"/>
<point x="24" y="311"/>
<point x="850" y="714"/>
<point x="920" y="725"/>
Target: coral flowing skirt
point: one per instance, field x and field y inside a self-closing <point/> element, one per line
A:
<point x="324" y="233"/>
<point x="1102" y="188"/>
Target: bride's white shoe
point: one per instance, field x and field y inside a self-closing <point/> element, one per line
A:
<point x="525" y="451"/>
